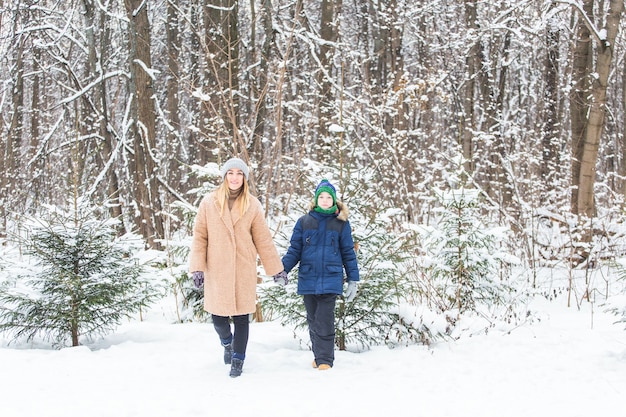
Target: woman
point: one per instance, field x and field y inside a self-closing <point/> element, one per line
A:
<point x="228" y="234"/>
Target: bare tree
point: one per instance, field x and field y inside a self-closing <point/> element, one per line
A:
<point x="622" y="166"/>
<point x="579" y="99"/>
<point x="411" y="82"/>
<point x="173" y="48"/>
<point x="221" y="110"/>
<point x="98" y="37"/>
<point x="473" y="65"/>
<point x="329" y="26"/>
<point x="259" y="76"/>
<point x="13" y="143"/>
<point x="595" y="119"/>
<point x="143" y="131"/>
<point x="549" y="168"/>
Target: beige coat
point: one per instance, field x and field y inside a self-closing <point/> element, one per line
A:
<point x="225" y="247"/>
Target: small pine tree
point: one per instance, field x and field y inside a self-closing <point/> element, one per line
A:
<point x="373" y="317"/>
<point x="190" y="300"/>
<point x="381" y="312"/>
<point x="464" y="254"/>
<point x="616" y="305"/>
<point x="86" y="280"/>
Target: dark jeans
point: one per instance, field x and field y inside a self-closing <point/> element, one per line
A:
<point x="240" y="335"/>
<point x="320" y="315"/>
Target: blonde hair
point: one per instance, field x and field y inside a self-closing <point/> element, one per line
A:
<point x="223" y="193"/>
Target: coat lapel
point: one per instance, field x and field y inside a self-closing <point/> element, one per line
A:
<point x="235" y="213"/>
<point x="230" y="217"/>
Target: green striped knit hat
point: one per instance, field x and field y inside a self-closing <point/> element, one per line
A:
<point x="325" y="185"/>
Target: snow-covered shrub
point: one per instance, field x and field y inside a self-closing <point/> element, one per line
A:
<point x="375" y="316"/>
<point x="463" y="259"/>
<point x="617" y="303"/>
<point x="82" y="281"/>
<point x="189" y="300"/>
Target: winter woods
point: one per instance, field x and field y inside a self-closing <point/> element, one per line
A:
<point x="530" y="93"/>
<point x="123" y="100"/>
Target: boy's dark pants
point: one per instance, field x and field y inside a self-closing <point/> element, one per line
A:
<point x="320" y="315"/>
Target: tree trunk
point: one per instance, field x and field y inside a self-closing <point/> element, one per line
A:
<point x="212" y="55"/>
<point x="549" y="168"/>
<point x="397" y="68"/>
<point x="147" y="198"/>
<point x="3" y="219"/>
<point x="499" y="169"/>
<point x="36" y="165"/>
<point x="473" y="64"/>
<point x="14" y="137"/>
<point x="230" y="74"/>
<point x="597" y="111"/>
<point x="393" y="63"/>
<point x="260" y="82"/>
<point x="265" y="59"/>
<point x="222" y="74"/>
<point x="581" y="70"/>
<point x="98" y="29"/>
<point x="197" y="140"/>
<point x="622" y="171"/>
<point x="328" y="31"/>
<point x="173" y="47"/>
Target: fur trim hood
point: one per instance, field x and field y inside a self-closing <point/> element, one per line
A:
<point x="343" y="210"/>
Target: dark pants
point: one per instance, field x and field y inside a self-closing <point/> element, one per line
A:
<point x="239" y="338"/>
<point x="320" y="315"/>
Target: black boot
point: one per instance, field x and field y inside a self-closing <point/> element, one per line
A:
<point x="236" y="367"/>
<point x="228" y="353"/>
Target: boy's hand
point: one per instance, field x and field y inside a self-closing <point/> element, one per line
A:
<point x="350" y="291"/>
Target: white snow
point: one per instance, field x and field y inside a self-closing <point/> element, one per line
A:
<point x="335" y="128"/>
<point x="570" y="363"/>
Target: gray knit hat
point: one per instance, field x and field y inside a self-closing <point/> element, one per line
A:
<point x="235" y="163"/>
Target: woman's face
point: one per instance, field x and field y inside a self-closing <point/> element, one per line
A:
<point x="325" y="200"/>
<point x="234" y="177"/>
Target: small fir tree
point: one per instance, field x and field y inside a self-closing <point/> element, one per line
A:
<point x="616" y="305"/>
<point x="383" y="311"/>
<point x="464" y="254"/>
<point x="86" y="279"/>
<point x="190" y="300"/>
<point x="373" y="317"/>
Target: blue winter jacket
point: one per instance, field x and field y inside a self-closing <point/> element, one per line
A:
<point x="323" y="245"/>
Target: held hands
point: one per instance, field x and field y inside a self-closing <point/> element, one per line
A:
<point x="281" y="278"/>
<point x="198" y="278"/>
<point x="350" y="291"/>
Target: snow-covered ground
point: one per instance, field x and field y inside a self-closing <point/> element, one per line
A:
<point x="570" y="363"/>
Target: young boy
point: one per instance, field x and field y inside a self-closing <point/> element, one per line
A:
<point x="322" y="243"/>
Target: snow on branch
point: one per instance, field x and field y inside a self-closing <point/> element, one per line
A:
<point x="91" y="85"/>
<point x="599" y="35"/>
<point x="151" y="72"/>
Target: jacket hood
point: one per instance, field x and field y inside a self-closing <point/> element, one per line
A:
<point x="343" y="210"/>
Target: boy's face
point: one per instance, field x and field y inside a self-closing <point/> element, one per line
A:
<point x="325" y="200"/>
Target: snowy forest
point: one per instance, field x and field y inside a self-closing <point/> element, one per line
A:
<point x="475" y="142"/>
